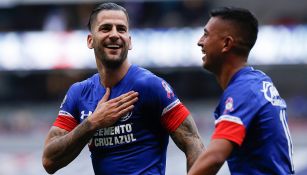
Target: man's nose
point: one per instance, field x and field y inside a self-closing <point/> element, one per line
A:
<point x="199" y="43"/>
<point x="114" y="34"/>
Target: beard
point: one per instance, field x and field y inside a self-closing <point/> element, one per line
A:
<point x="111" y="63"/>
<point x="213" y="64"/>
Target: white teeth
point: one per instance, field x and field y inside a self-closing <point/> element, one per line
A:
<point x="113" y="46"/>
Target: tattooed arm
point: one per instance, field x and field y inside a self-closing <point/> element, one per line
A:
<point x="62" y="147"/>
<point x="187" y="138"/>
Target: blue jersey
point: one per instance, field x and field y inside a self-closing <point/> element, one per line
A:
<point x="137" y="143"/>
<point x="252" y="114"/>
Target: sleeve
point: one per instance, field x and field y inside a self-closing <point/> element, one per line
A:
<point x="172" y="112"/>
<point x="236" y="111"/>
<point x="68" y="110"/>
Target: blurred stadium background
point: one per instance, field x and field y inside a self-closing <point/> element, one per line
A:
<point x="43" y="51"/>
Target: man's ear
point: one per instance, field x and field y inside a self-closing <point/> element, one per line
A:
<point x="130" y="43"/>
<point x="90" y="41"/>
<point x="228" y="43"/>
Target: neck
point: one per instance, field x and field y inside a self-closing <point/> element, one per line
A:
<point x="228" y="70"/>
<point x="110" y="77"/>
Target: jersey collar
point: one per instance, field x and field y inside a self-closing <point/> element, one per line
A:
<point x="240" y="72"/>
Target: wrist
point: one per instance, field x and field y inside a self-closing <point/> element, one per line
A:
<point x="90" y="125"/>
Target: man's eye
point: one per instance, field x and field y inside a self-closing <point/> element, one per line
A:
<point x="104" y="29"/>
<point x="122" y="30"/>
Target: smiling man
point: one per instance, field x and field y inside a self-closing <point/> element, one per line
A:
<point x="124" y="112"/>
<point x="251" y="130"/>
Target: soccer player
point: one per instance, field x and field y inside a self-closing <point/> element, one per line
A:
<point x="124" y="112"/>
<point x="251" y="130"/>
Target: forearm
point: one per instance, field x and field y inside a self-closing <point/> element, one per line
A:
<point x="207" y="163"/>
<point x="62" y="149"/>
<point x="193" y="151"/>
<point x="211" y="160"/>
<point x="188" y="140"/>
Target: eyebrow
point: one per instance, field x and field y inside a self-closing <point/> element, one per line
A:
<point x="205" y="30"/>
<point x="109" y="25"/>
<point x="121" y="25"/>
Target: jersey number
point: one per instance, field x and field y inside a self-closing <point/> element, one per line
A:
<point x="282" y="116"/>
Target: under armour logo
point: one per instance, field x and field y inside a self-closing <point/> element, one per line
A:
<point x="84" y="115"/>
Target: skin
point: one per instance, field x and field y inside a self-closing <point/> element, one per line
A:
<point x="110" y="40"/>
<point x="110" y="30"/>
<point x="62" y="147"/>
<point x="186" y="136"/>
<point x="217" y="43"/>
<point x="188" y="140"/>
<point x="211" y="160"/>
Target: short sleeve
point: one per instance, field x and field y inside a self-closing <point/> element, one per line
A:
<point x="236" y="111"/>
<point x="67" y="117"/>
<point x="170" y="109"/>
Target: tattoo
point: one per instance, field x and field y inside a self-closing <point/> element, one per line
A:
<point x="62" y="146"/>
<point x="55" y="133"/>
<point x="187" y="138"/>
<point x="63" y="139"/>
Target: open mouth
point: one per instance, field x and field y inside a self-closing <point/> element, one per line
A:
<point x="204" y="52"/>
<point x="113" y="46"/>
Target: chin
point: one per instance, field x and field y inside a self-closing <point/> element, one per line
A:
<point x="207" y="67"/>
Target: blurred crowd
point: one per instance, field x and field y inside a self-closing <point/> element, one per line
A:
<point x="144" y="14"/>
<point x="63" y="17"/>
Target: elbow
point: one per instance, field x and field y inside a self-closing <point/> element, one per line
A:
<point x="49" y="166"/>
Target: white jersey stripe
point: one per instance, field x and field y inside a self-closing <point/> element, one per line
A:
<point x="229" y="118"/>
<point x="288" y="136"/>
<point x="170" y="106"/>
<point x="64" y="113"/>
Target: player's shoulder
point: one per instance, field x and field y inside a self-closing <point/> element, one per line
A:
<point x="145" y="77"/>
<point x="247" y="82"/>
<point x="248" y="78"/>
<point x="256" y="80"/>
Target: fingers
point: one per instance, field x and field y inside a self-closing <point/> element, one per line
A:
<point x="108" y="112"/>
<point x="124" y="103"/>
<point x="106" y="95"/>
<point x="127" y="101"/>
<point x="125" y="111"/>
<point x="121" y="102"/>
<point x="124" y="96"/>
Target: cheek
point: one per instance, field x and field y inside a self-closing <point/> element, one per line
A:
<point x="208" y="43"/>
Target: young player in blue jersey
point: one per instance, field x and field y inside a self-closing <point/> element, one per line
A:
<point x="251" y="130"/>
<point x="124" y="113"/>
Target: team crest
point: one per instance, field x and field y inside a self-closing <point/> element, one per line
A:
<point x="168" y="90"/>
<point x="126" y="117"/>
<point x="228" y="105"/>
<point x="271" y="94"/>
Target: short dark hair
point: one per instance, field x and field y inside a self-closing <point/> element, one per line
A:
<point x="244" y="21"/>
<point x="105" y="6"/>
